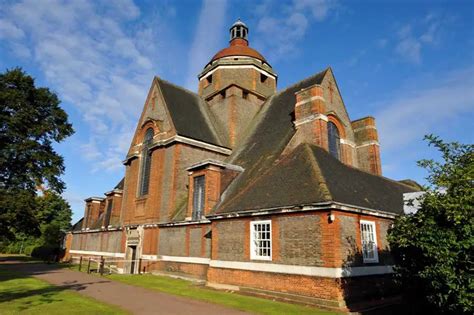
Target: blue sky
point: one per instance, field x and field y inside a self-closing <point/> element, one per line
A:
<point x="408" y="63"/>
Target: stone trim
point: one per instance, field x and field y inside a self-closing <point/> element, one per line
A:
<point x="309" y="100"/>
<point x="365" y="128"/>
<point x="181" y="259"/>
<point x="348" y="142"/>
<point x="94" y="253"/>
<point x="217" y="163"/>
<point x="114" y="191"/>
<point x="239" y="67"/>
<point x="325" y="272"/>
<point x="94" y="199"/>
<point x="180" y="223"/>
<point x="185" y="140"/>
<point x="302" y="208"/>
<point x="308" y="88"/>
<point x="367" y="143"/>
<point x="310" y="118"/>
<point x="313" y="271"/>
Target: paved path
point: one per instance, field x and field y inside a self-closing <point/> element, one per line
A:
<point x="131" y="298"/>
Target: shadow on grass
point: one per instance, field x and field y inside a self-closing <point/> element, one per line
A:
<point x="22" y="268"/>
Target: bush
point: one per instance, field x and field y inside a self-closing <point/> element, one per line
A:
<point x="47" y="252"/>
<point x="433" y="248"/>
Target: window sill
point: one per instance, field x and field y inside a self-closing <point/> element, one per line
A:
<point x="261" y="258"/>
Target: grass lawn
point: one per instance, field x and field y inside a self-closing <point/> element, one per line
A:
<point x="27" y="295"/>
<point x="195" y="291"/>
<point x="190" y="290"/>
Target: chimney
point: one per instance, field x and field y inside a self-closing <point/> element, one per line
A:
<point x="94" y="207"/>
<point x="310" y="121"/>
<point x="367" y="145"/>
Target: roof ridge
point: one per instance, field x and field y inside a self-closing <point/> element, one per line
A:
<point x="299" y="82"/>
<point x="177" y="86"/>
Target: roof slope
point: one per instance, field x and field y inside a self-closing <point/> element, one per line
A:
<point x="353" y="186"/>
<point x="270" y="180"/>
<point x="120" y="184"/>
<point x="189" y="113"/>
<point x="267" y="135"/>
<point x="78" y="225"/>
<point x="311" y="175"/>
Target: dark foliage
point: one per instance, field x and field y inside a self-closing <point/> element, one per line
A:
<point x="433" y="248"/>
<point x="31" y="120"/>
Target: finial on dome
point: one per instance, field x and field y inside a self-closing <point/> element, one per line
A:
<point x="239" y="30"/>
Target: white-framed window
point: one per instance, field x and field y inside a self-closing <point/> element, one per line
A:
<point x="261" y="240"/>
<point x="369" y="241"/>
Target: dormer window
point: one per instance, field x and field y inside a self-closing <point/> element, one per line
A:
<point x="146" y="162"/>
<point x="199" y="185"/>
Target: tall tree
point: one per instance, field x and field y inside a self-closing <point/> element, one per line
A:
<point x="51" y="208"/>
<point x="31" y="120"/>
<point x="433" y="248"/>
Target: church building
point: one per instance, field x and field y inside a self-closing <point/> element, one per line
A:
<point x="251" y="188"/>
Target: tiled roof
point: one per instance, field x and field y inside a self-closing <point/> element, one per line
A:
<point x="310" y="175"/>
<point x="307" y="175"/>
<point x="190" y="114"/>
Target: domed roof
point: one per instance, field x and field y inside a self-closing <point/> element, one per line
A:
<point x="238" y="47"/>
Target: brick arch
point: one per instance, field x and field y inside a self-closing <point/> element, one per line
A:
<point x="145" y="126"/>
<point x="340" y="127"/>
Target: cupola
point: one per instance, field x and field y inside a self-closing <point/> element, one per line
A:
<point x="239" y="31"/>
<point x="235" y="83"/>
<point x="238" y="64"/>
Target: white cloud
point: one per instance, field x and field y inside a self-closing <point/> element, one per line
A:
<point x="93" y="59"/>
<point x="281" y="27"/>
<point x="206" y="40"/>
<point x="413" y="38"/>
<point x="418" y="111"/>
<point x="10" y="30"/>
<point x="410" y="49"/>
<point x="319" y="8"/>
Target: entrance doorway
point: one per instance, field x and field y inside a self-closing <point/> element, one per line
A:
<point x="133" y="258"/>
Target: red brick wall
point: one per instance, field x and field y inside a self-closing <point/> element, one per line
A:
<point x="325" y="288"/>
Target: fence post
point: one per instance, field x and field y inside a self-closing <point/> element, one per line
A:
<point x="140" y="266"/>
<point x="89" y="266"/>
<point x="101" y="268"/>
<point x="80" y="263"/>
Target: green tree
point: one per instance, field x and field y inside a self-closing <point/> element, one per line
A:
<point x="31" y="120"/>
<point x="433" y="248"/>
<point x="51" y="208"/>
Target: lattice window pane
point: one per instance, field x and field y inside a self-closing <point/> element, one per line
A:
<point x="146" y="162"/>
<point x="261" y="240"/>
<point x="198" y="197"/>
<point x="369" y="241"/>
<point x="334" y="140"/>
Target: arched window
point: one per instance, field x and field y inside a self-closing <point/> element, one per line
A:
<point x="334" y="140"/>
<point x="146" y="162"/>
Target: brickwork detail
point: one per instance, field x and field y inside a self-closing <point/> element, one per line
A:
<point x="172" y="242"/>
<point x="231" y="240"/>
<point x="299" y="240"/>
